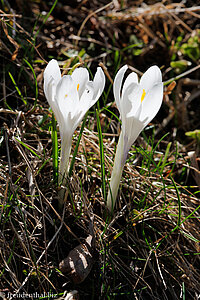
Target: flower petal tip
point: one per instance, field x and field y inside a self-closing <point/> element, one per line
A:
<point x="125" y="67"/>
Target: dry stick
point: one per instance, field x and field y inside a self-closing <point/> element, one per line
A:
<point x="24" y="247"/>
<point x="7" y="111"/>
<point x="44" y="251"/>
<point x="13" y="277"/>
<point x="106" y="71"/>
<point x="9" y="163"/>
<point x="35" y="48"/>
<point x="195" y="167"/>
<point x="89" y="16"/>
<point x="91" y="40"/>
<point x="193" y="14"/>
<point x="9" y="15"/>
<point x="163" y="11"/>
<point x="159" y="270"/>
<point x="50" y="205"/>
<point x="176" y="10"/>
<point x="181" y="22"/>
<point x="135" y="70"/>
<point x="26" y="250"/>
<point x="41" y="194"/>
<point x="182" y="75"/>
<point x="96" y="148"/>
<point x="8" y="153"/>
<point x="140" y="276"/>
<point x="32" y="174"/>
<point x="123" y="268"/>
<point x="150" y="33"/>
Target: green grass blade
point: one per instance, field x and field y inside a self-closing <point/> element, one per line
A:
<point x="162" y="138"/>
<point x="177" y="226"/>
<point x="189" y="236"/>
<point x="27" y="147"/>
<point x="112" y="113"/>
<point x="190" y="215"/>
<point x="179" y="202"/>
<point x="45" y="19"/>
<point x="102" y="161"/>
<point x="154" y="163"/>
<point x="132" y="46"/>
<point x="165" y="157"/>
<point x="36" y="85"/>
<point x="42" y="166"/>
<point x="183" y="290"/>
<point x="17" y="89"/>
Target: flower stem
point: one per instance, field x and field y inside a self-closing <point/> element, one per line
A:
<point x="120" y="159"/>
<point x="63" y="168"/>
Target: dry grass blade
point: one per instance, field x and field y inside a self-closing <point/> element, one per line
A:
<point x="149" y="248"/>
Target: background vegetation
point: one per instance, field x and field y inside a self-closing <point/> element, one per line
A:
<point x="150" y="247"/>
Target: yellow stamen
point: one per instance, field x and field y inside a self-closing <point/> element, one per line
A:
<point x="78" y="86"/>
<point x="143" y="95"/>
<point x="66" y="95"/>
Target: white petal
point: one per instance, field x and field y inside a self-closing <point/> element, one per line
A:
<point x="52" y="76"/>
<point x="66" y="142"/>
<point x="50" y="90"/>
<point x="80" y="77"/>
<point x="98" y="83"/>
<point x="134" y="96"/>
<point x="118" y="166"/>
<point x="133" y="128"/>
<point x="125" y="102"/>
<point x="131" y="78"/>
<point x="117" y="85"/>
<point x="86" y="101"/>
<point x="67" y="96"/>
<point x="50" y="95"/>
<point x="150" y="78"/>
<point x="151" y="103"/>
<point x="52" y="70"/>
<point x="72" y="122"/>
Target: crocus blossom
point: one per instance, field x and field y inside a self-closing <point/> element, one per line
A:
<point x="138" y="103"/>
<point x="70" y="97"/>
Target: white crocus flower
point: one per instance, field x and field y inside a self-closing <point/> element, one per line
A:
<point x="138" y="103"/>
<point x="70" y="97"/>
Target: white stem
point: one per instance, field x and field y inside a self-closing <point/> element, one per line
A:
<point x="64" y="167"/>
<point x="120" y="159"/>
